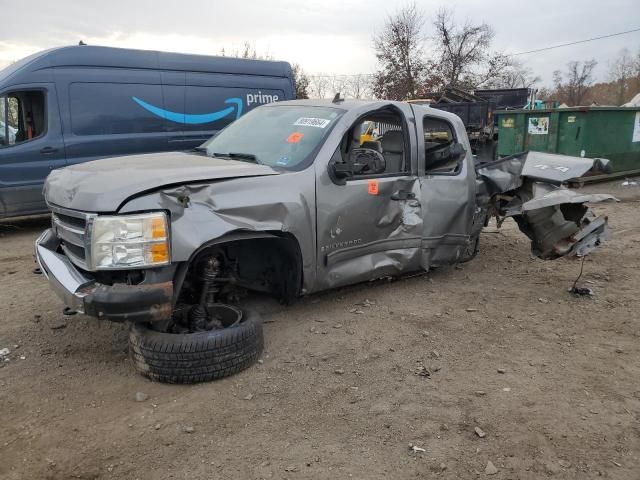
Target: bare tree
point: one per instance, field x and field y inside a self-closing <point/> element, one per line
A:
<point x="337" y="84"/>
<point x="465" y="56"/>
<point x="572" y="85"/>
<point x="515" y="75"/>
<point x="546" y="94"/>
<point x="635" y="81"/>
<point x="319" y="85"/>
<point x="300" y="80"/>
<point x="402" y="68"/>
<point x="352" y="86"/>
<point x="496" y="66"/>
<point x="621" y="72"/>
<point x="13" y="111"/>
<point x="359" y="86"/>
<point x="248" y="51"/>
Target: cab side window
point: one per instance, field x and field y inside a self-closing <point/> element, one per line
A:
<point x="4" y="131"/>
<point x="22" y="117"/>
<point x="375" y="145"/>
<point x="442" y="152"/>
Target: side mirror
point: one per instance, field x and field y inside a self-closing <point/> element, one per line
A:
<point x="456" y="151"/>
<point x="362" y="161"/>
<point x="367" y="161"/>
<point x="341" y="170"/>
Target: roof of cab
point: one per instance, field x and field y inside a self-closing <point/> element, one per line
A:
<point x="358" y="105"/>
<point x="349" y="104"/>
<point x="95" y="56"/>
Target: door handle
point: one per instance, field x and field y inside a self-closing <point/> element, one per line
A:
<point x="48" y="150"/>
<point x="403" y="195"/>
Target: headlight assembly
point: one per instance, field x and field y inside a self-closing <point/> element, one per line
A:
<point x="130" y="241"/>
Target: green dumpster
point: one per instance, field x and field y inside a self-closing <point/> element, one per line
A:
<point x="593" y="132"/>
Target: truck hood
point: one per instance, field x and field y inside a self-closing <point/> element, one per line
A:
<point x="104" y="185"/>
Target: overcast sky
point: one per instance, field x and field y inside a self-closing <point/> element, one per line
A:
<point x="330" y="36"/>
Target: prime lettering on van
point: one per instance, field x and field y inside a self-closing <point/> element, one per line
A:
<point x="260" y="98"/>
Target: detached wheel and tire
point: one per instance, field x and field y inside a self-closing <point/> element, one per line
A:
<point x="201" y="356"/>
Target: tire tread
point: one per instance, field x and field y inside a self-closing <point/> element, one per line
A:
<point x="196" y="357"/>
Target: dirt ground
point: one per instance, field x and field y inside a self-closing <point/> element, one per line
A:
<point x="553" y="381"/>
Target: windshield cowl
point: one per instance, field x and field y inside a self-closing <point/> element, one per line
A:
<point x="250" y="157"/>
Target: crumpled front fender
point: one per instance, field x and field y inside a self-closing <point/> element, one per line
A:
<point x="226" y="210"/>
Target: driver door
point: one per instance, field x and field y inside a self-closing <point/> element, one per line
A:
<point x="369" y="225"/>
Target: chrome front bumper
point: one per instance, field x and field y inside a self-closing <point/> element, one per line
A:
<point x="149" y="301"/>
<point x="65" y="280"/>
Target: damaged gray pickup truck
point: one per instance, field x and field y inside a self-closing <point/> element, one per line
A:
<point x="292" y="198"/>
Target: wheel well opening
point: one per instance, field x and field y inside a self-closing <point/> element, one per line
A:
<point x="270" y="264"/>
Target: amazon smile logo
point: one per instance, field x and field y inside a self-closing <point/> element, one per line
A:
<point x="193" y="119"/>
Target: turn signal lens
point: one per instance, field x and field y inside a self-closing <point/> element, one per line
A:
<point x="158" y="228"/>
<point x="159" y="253"/>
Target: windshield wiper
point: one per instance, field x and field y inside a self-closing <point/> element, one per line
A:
<point x="238" y="155"/>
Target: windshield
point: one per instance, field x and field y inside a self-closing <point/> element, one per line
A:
<point x="278" y="136"/>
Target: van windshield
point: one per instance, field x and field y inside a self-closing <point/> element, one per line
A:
<point x="284" y="136"/>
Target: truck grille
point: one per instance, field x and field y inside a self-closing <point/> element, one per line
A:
<point x="72" y="228"/>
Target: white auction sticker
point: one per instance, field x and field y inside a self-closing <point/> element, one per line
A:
<point x="636" y="129"/>
<point x="312" y="122"/>
<point x="538" y="125"/>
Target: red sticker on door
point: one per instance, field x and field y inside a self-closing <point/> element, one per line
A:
<point x="372" y="187"/>
<point x="295" y="137"/>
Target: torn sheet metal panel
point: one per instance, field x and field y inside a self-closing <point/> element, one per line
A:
<point x="591" y="236"/>
<point x="509" y="173"/>
<point x="560" y="221"/>
<point x="557" y="231"/>
<point x="556" y="168"/>
<point x="502" y="175"/>
<point x="528" y="188"/>
<point x="546" y="195"/>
